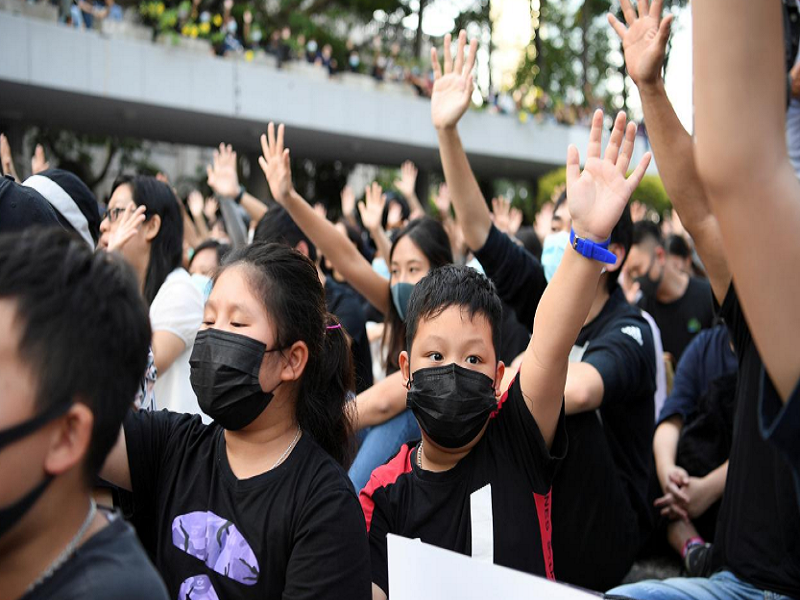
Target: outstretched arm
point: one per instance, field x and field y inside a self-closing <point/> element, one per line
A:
<point x="743" y="162"/>
<point x="224" y="180"/>
<point x="383" y="401"/>
<point x="596" y="199"/>
<point x="452" y="91"/>
<point x="371" y="211"/>
<point x="406" y="185"/>
<point x="644" y="42"/>
<point x="343" y="255"/>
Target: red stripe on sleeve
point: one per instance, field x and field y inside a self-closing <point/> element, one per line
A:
<point x="383" y="476"/>
<point x="543" y="511"/>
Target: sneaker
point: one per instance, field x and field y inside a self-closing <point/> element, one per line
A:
<point x="697" y="561"/>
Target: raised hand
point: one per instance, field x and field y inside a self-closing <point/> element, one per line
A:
<point x="222" y="175"/>
<point x="644" y="40"/>
<point x="408" y="179"/>
<point x="348" y="201"/>
<point x="196" y="203"/>
<point x="543" y="221"/>
<point x="6" y="159"/>
<point x="597" y="196"/>
<point x="453" y="89"/>
<point x="442" y="202"/>
<point x="127" y="227"/>
<point x="371" y="210"/>
<point x="501" y="209"/>
<point x="276" y="164"/>
<point x="210" y="209"/>
<point x="638" y="211"/>
<point x="39" y="161"/>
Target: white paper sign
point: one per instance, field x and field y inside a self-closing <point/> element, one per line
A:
<point x="419" y="571"/>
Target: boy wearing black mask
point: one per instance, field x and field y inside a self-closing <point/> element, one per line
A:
<point x="73" y="348"/>
<point x="479" y="481"/>
<point x="680" y="304"/>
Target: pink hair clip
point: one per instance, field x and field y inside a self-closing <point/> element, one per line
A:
<point x="337" y="326"/>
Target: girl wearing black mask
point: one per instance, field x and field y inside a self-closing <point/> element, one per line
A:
<point x="421" y="246"/>
<point x="256" y="505"/>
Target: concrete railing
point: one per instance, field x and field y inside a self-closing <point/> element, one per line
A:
<point x="106" y="83"/>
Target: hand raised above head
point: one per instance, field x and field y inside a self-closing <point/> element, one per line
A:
<point x="644" y="40"/>
<point x="222" y="175"/>
<point x="276" y="163"/>
<point x="371" y="209"/>
<point x="597" y="196"/>
<point x="452" y="89"/>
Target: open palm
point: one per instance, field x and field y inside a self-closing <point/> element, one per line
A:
<point x="452" y="89"/>
<point x="371" y="209"/>
<point x="597" y="196"/>
<point x="644" y="40"/>
<point x="222" y="175"/>
<point x="276" y="164"/>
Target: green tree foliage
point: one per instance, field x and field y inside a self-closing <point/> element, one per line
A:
<point x="574" y="55"/>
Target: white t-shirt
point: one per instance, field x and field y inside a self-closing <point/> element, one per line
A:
<point x="178" y="309"/>
<point x="661" y="370"/>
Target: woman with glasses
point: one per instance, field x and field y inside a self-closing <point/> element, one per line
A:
<point x="144" y="224"/>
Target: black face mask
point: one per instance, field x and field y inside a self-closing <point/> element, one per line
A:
<point x="10" y="515"/>
<point x="224" y="371"/>
<point x="451" y="403"/>
<point x="649" y="286"/>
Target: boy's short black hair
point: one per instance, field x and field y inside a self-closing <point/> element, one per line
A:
<point x="646" y="230"/>
<point x="622" y="234"/>
<point x="453" y="285"/>
<point x="278" y="227"/>
<point x="84" y="327"/>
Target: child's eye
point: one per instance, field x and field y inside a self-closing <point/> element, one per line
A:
<point x="238" y="325"/>
<point x="474" y="360"/>
<point x="435" y="356"/>
<point x="208" y="322"/>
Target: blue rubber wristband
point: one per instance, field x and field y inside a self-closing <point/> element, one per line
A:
<point x="592" y="250"/>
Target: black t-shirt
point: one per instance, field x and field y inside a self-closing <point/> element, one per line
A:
<point x="293" y="532"/>
<point x="111" y="564"/>
<point x="494" y="504"/>
<point x="610" y="453"/>
<point x="514" y="336"/>
<point x="683" y="319"/>
<point x="516" y="273"/>
<point x="758" y="531"/>
<point x="345" y="304"/>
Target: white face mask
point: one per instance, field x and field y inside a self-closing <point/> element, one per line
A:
<point x="553" y="251"/>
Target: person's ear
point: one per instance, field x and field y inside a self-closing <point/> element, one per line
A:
<point x="498" y="378"/>
<point x="302" y="248"/>
<point x="295" y="359"/>
<point x="405" y="366"/>
<point x="619" y="252"/>
<point x="151" y="227"/>
<point x="661" y="255"/>
<point x="70" y="441"/>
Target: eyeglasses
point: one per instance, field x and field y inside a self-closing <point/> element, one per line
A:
<point x="113" y="214"/>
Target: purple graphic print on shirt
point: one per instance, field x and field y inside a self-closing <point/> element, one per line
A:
<point x="197" y="588"/>
<point x="218" y="543"/>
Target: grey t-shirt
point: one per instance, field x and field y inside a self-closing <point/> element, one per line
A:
<point x="112" y="564"/>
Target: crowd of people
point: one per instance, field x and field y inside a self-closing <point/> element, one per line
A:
<point x="232" y="397"/>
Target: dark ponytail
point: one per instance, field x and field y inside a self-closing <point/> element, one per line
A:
<point x="288" y="284"/>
